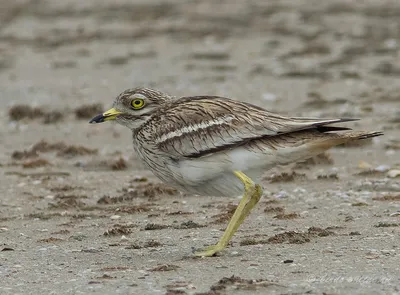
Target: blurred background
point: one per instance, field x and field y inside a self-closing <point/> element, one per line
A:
<point x="276" y="52"/>
<point x="64" y="180"/>
<point x="311" y="58"/>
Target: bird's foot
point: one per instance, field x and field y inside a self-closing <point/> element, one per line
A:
<point x="210" y="251"/>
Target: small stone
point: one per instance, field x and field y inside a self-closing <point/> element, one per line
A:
<point x="390" y="43"/>
<point x="393" y="173"/>
<point x="114" y="217"/>
<point x="382" y="168"/>
<point x="388" y="252"/>
<point x="221" y="266"/>
<point x="281" y="195"/>
<point x="364" y="165"/>
<point x="269" y="97"/>
<point x="6" y="249"/>
<point x="354" y="233"/>
<point x="124" y="238"/>
<point x="235" y="253"/>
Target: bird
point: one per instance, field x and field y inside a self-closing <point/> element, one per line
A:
<point x="217" y="146"/>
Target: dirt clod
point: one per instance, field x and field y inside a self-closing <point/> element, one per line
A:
<point x="226" y="215"/>
<point x="140" y="190"/>
<point x="283" y="216"/>
<point x="35" y="163"/>
<point x="274" y="209"/>
<point x="115" y="268"/>
<point x="165" y="267"/>
<point x="189" y="224"/>
<point x="62" y="149"/>
<point x="63" y="201"/>
<point x="19" y="112"/>
<point x="387" y="198"/>
<point x="148" y="244"/>
<point x="292" y="237"/>
<point x="118" y="230"/>
<point x="287" y="177"/>
<point x="154" y="226"/>
<point x="119" y="164"/>
<point x="88" y="111"/>
<point x="387" y="224"/>
<point x="72" y="151"/>
<point x="251" y="242"/>
<point x="132" y="209"/>
<point x="237" y="283"/>
<point x="50" y="240"/>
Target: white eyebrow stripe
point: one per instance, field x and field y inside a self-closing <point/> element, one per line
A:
<point x="193" y="128"/>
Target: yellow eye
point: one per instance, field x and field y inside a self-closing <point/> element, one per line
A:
<point x="137" y="103"/>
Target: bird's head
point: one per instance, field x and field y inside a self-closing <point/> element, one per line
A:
<point x="133" y="107"/>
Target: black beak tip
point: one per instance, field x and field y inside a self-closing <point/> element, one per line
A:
<point x="98" y="119"/>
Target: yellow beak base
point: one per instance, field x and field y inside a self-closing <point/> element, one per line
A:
<point x="110" y="115"/>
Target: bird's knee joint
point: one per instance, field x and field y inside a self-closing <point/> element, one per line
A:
<point x="249" y="185"/>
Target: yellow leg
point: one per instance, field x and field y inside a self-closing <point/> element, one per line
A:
<point x="252" y="194"/>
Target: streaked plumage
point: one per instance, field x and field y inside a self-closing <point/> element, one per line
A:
<point x="195" y="143"/>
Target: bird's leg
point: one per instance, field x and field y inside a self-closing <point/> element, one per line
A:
<point x="251" y="196"/>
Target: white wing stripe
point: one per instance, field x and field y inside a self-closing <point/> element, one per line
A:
<point x="193" y="128"/>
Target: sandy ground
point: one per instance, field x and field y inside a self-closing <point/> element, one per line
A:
<point x="78" y="212"/>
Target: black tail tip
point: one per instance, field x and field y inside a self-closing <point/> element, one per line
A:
<point x="372" y="134"/>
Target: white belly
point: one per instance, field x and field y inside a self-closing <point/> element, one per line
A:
<point x="213" y="174"/>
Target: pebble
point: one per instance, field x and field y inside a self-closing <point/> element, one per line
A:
<point x="235" y="253"/>
<point x="299" y="190"/>
<point x="388" y="252"/>
<point x="393" y="173"/>
<point x="281" y="195"/>
<point x="382" y="168"/>
<point x="390" y="152"/>
<point x="390" y="43"/>
<point x="114" y="217"/>
<point x="269" y="97"/>
<point x="364" y="165"/>
<point x="221" y="266"/>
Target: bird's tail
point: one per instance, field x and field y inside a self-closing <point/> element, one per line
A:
<point x="334" y="139"/>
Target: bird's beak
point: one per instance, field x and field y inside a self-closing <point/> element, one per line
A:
<point x="111" y="114"/>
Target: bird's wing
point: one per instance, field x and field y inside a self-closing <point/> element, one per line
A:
<point x="197" y="126"/>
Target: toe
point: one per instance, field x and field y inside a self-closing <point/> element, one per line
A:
<point x="209" y="251"/>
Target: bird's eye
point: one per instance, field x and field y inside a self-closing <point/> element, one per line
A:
<point x="137" y="103"/>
